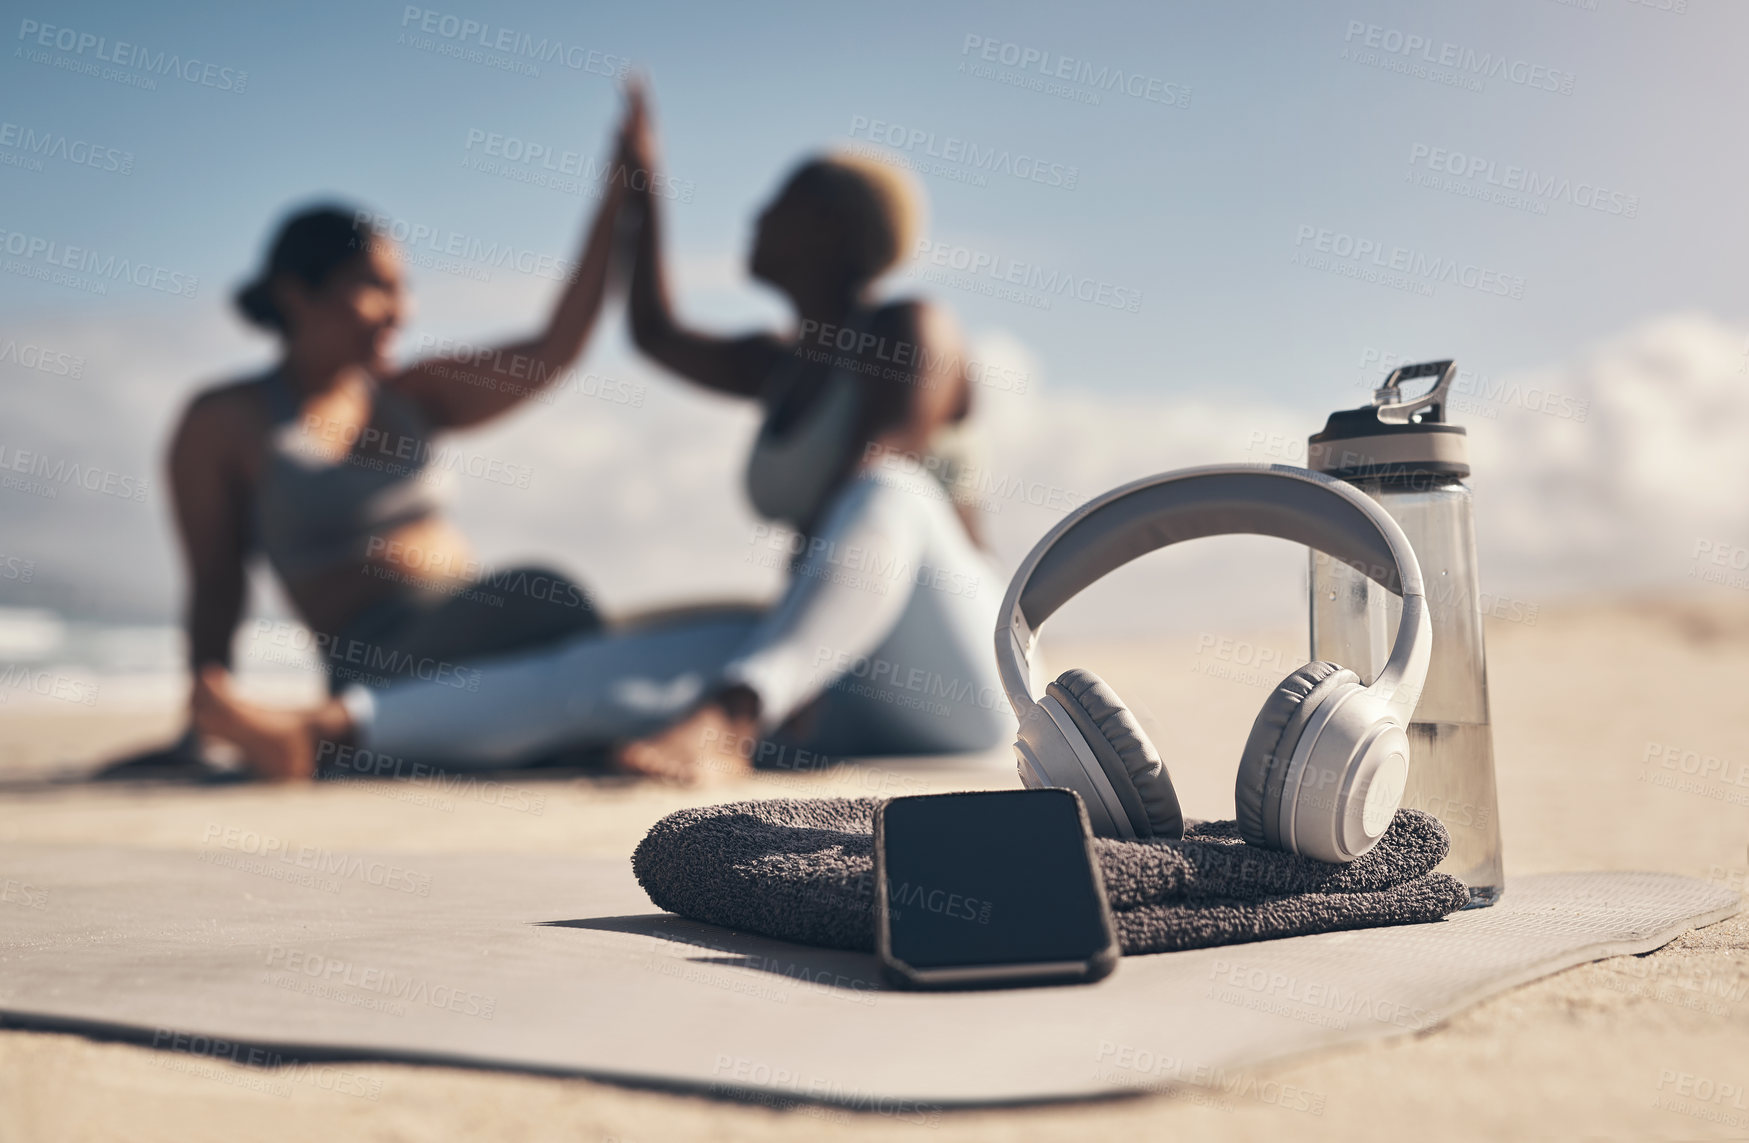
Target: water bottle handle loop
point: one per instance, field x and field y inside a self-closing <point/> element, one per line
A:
<point x="1388" y="398"/>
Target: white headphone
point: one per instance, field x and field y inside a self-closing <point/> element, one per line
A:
<point x="1323" y="771"/>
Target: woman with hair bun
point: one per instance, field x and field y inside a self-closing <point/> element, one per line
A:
<point x="322" y="465"/>
<point x="881" y="641"/>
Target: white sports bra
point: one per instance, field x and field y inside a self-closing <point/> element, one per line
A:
<point x="804" y="443"/>
<point x="807" y="440"/>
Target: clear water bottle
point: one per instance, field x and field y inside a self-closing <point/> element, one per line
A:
<point x="1403" y="454"/>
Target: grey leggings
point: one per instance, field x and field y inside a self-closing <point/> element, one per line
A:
<point x="880" y="645"/>
<point x="431" y="635"/>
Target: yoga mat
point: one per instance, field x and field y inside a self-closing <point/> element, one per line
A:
<point x="560" y="965"/>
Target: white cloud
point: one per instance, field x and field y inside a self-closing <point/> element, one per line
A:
<point x="1660" y="460"/>
<point x="644" y="503"/>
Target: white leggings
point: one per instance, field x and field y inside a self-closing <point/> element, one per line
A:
<point x="882" y="644"/>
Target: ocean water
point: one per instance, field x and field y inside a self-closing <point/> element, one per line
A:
<point x="50" y="662"/>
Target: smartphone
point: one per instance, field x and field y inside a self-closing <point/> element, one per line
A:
<point x="986" y="889"/>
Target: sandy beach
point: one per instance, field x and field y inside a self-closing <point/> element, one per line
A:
<point x="639" y="372"/>
<point x="1606" y="714"/>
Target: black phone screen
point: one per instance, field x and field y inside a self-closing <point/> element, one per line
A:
<point x="1000" y="878"/>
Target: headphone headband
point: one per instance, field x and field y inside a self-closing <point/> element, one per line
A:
<point x="1293" y="504"/>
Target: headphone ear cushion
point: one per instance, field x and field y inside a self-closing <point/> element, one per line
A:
<point x="1264" y="763"/>
<point x="1129" y="760"/>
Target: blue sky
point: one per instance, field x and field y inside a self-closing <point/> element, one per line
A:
<point x="1325" y="195"/>
<point x="1197" y="208"/>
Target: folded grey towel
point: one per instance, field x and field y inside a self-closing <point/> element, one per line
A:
<point x="802" y="869"/>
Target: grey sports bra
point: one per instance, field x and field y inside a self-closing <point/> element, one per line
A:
<point x="313" y="513"/>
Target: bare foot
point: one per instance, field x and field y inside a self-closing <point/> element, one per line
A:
<point x="708" y="744"/>
<point x="279" y="745"/>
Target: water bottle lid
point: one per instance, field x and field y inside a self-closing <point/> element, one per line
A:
<point x="1393" y="439"/>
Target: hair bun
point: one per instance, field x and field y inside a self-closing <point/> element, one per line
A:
<point x="307" y="249"/>
<point x="255" y="302"/>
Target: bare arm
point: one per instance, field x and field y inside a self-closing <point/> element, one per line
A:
<point x="905" y="405"/>
<point x="210" y="497"/>
<point x="456" y="392"/>
<point x="931" y="392"/>
<point x="737" y="366"/>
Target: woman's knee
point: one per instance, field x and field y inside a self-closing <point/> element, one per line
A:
<point x="543" y="602"/>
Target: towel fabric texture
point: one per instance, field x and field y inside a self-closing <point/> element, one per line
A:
<point x="802" y="869"/>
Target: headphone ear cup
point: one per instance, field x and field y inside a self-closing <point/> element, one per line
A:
<point x="1263" y="764"/>
<point x="1129" y="760"/>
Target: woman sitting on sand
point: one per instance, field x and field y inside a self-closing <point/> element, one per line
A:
<point x="881" y="642"/>
<point x="323" y="464"/>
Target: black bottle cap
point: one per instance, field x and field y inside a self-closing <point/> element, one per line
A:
<point x="1393" y="440"/>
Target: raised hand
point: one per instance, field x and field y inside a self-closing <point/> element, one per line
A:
<point x="637" y="140"/>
